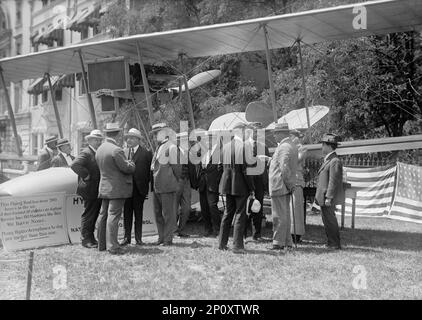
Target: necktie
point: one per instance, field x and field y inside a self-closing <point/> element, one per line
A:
<point x="131" y="154"/>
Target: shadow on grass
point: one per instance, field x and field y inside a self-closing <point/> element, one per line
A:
<point x="143" y="250"/>
<point x="405" y="241"/>
<point x="190" y="245"/>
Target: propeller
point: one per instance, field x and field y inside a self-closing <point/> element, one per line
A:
<point x="198" y="80"/>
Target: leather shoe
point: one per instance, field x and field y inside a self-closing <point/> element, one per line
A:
<point x="183" y="235"/>
<point x="332" y="247"/>
<point x="139" y="243"/>
<point x="90" y="245"/>
<point x="166" y="244"/>
<point x="125" y="242"/>
<point x="223" y="248"/>
<point x="117" y="251"/>
<point x="159" y="242"/>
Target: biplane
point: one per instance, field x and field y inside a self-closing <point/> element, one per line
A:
<point x="261" y="34"/>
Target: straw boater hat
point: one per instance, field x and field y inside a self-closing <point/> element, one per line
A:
<point x="281" y="127"/>
<point x="62" y="142"/>
<point x="112" y="127"/>
<point x="95" y="134"/>
<point x="134" y="133"/>
<point x="158" y="127"/>
<point x="330" y="138"/>
<point x="51" y="139"/>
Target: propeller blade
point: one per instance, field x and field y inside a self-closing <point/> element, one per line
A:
<point x="199" y="80"/>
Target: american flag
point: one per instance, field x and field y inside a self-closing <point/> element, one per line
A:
<point x="375" y="193"/>
<point x="407" y="203"/>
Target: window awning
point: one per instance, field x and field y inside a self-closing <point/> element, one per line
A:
<point x="54" y="81"/>
<point x="53" y="33"/>
<point x="36" y="87"/>
<point x="66" y="81"/>
<point x="87" y="17"/>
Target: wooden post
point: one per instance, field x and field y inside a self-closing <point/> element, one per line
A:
<point x="56" y="111"/>
<point x="29" y="279"/>
<point x="305" y="95"/>
<point x="146" y="85"/>
<point x="188" y="97"/>
<point x="88" y="95"/>
<point x="270" y="75"/>
<point x="11" y="114"/>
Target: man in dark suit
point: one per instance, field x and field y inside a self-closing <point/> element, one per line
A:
<point x="208" y="188"/>
<point x="47" y="153"/>
<point x="165" y="183"/>
<point x="330" y="189"/>
<point x="237" y="185"/>
<point x="63" y="158"/>
<point x="115" y="187"/>
<point x="260" y="178"/>
<point x="141" y="178"/>
<point x="85" y="166"/>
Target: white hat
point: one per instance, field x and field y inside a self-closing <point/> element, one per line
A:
<point x="95" y="134"/>
<point x="134" y="133"/>
<point x="256" y="206"/>
<point x="158" y="127"/>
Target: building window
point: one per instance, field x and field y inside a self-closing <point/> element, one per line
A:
<point x="58" y="94"/>
<point x="44" y="96"/>
<point x="18" y="97"/>
<point x="18" y="12"/>
<point x="37" y="142"/>
<point x="82" y="90"/>
<point x="3" y="104"/>
<point x="35" y="100"/>
<point x="84" y="33"/>
<point x="18" y="44"/>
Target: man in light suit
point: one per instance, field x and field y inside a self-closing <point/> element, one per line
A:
<point x="330" y="189"/>
<point x="238" y="186"/>
<point x="141" y="178"/>
<point x="282" y="180"/>
<point x="165" y="183"/>
<point x="114" y="188"/>
<point x="63" y="158"/>
<point x="85" y="166"/>
<point x="47" y="153"/>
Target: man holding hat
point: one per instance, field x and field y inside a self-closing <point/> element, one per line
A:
<point x="141" y="178"/>
<point x="63" y="158"/>
<point x="114" y="188"/>
<point x="282" y="181"/>
<point x="330" y="189"/>
<point x="85" y="166"/>
<point x="47" y="153"/>
<point x="165" y="183"/>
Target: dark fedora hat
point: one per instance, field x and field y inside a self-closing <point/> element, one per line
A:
<point x="330" y="138"/>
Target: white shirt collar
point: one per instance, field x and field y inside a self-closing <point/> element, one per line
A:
<point x="135" y="148"/>
<point x="92" y="148"/>
<point x="67" y="158"/>
<point x="49" y="149"/>
<point x="326" y="157"/>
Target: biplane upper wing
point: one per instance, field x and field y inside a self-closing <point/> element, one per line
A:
<point x="311" y="27"/>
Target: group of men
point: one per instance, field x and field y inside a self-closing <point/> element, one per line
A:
<point x="113" y="180"/>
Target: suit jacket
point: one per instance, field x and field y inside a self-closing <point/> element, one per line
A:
<point x="330" y="181"/>
<point x="283" y="167"/>
<point x="60" y="161"/>
<point x="210" y="176"/>
<point x="235" y="180"/>
<point x="85" y="165"/>
<point x="164" y="174"/>
<point x="44" y="159"/>
<point x="141" y="177"/>
<point x="260" y="180"/>
<point x="115" y="172"/>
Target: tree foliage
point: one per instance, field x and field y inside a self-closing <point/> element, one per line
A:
<point x="372" y="85"/>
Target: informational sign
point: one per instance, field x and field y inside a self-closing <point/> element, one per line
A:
<point x="33" y="221"/>
<point x="75" y="207"/>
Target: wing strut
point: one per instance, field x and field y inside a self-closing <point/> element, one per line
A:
<point x="270" y="75"/>
<point x="88" y="95"/>
<point x="11" y="114"/>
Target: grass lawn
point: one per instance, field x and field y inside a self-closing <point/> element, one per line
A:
<point x="386" y="253"/>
